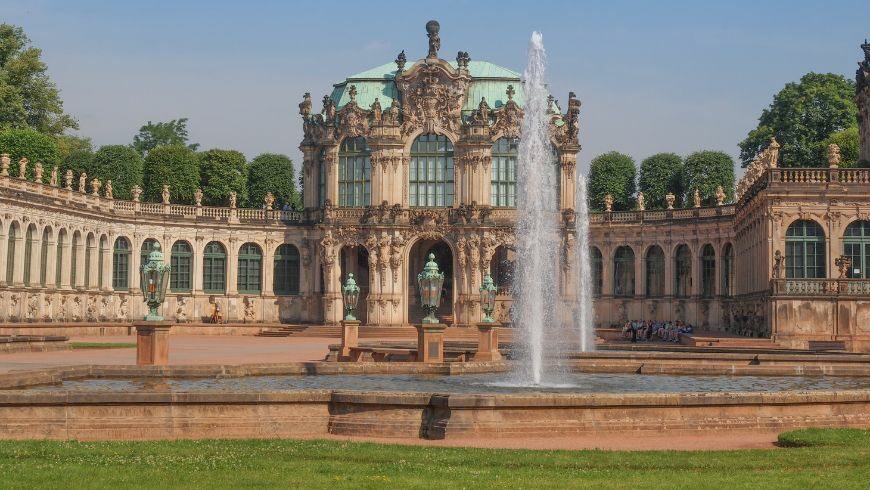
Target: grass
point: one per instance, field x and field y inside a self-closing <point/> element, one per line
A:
<point x="102" y="345"/>
<point x="838" y="458"/>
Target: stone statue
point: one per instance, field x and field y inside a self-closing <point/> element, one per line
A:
<point x="109" y="190"/>
<point x="4" y="164"/>
<point x="32" y="307"/>
<point x="180" y="314"/>
<point x="834" y="156"/>
<point x="697" y="198"/>
<point x="641" y="203"/>
<point x="22" y="168"/>
<point x="67" y="180"/>
<point x="136" y="191"/>
<point x="720" y="195"/>
<point x="197" y="197"/>
<point x="432" y="28"/>
<point x="83" y="178"/>
<point x="608" y="203"/>
<point x="305" y="105"/>
<point x="670" y="198"/>
<point x="328" y="109"/>
<point x="483" y="111"/>
<point x="391" y="117"/>
<point x="250" y="314"/>
<point x="778" y="264"/>
<point x="377" y="112"/>
<point x="233" y="199"/>
<point x="401" y="59"/>
<point x="122" y="308"/>
<point x="165" y="194"/>
<point x="269" y="200"/>
<point x="95" y="187"/>
<point x="843" y="264"/>
<point x="37" y="173"/>
<point x="53" y="181"/>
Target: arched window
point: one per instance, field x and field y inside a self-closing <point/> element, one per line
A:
<point x="856" y="246"/>
<point x="10" y="253"/>
<point x="74" y="258"/>
<point x="354" y="173"/>
<point x="623" y="272"/>
<point x="504" y="172"/>
<point x="805" y="250"/>
<point x="90" y="245"/>
<point x="683" y="272"/>
<point x="708" y="271"/>
<point x="501" y="268"/>
<point x="121" y="265"/>
<point x="28" y="253"/>
<point x="147" y="247"/>
<point x="250" y="269"/>
<point x="655" y="272"/>
<point x="728" y="270"/>
<point x="104" y="245"/>
<point x="431" y="172"/>
<point x="180" y="261"/>
<point x="43" y="258"/>
<point x="286" y="275"/>
<point x="214" y="268"/>
<point x="597" y="270"/>
<point x="321" y="179"/>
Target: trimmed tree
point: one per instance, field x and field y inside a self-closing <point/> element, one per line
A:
<point x="801" y="116"/>
<point x="706" y="170"/>
<point x="175" y="165"/>
<point x="122" y="165"/>
<point x="67" y="144"/>
<point x="157" y="134"/>
<point x="30" y="144"/>
<point x="222" y="172"/>
<point x="847" y="140"/>
<point x="78" y="161"/>
<point x="660" y="174"/>
<point x="272" y="172"/>
<point x="612" y="173"/>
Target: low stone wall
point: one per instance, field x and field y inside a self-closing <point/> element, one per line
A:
<point x="12" y="344"/>
<point x="94" y="329"/>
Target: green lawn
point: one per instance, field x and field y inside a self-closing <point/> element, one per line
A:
<point x="814" y="458"/>
<point x="103" y="345"/>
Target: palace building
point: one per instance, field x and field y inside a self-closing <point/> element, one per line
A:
<point x="418" y="157"/>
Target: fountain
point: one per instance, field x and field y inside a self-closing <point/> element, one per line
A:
<point x="537" y="238"/>
<point x="583" y="276"/>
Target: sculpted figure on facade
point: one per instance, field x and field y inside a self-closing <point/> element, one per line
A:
<point x="136" y="191"/>
<point x="670" y="198"/>
<point x="843" y="263"/>
<point x="834" y="155"/>
<point x="22" y="168"/>
<point x="109" y="191"/>
<point x="5" y="161"/>
<point x="33" y="307"/>
<point x="197" y="197"/>
<point x="67" y="180"/>
<point x="720" y="195"/>
<point x="697" y="198"/>
<point x="47" y="310"/>
<point x="269" y="200"/>
<point x="181" y="309"/>
<point x="778" y="264"/>
<point x="83" y="178"/>
<point x="327" y="250"/>
<point x="233" y="199"/>
<point x="122" y="308"/>
<point x="391" y="117"/>
<point x="432" y="28"/>
<point x="95" y="187"/>
<point x="608" y="203"/>
<point x="482" y="115"/>
<point x="376" y="112"/>
<point x="509" y="117"/>
<point x="249" y="312"/>
<point x="37" y="173"/>
<point x="164" y="194"/>
<point x="53" y="181"/>
<point x="641" y="202"/>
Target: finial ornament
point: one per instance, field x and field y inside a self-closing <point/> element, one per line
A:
<point x="305" y="105"/>
<point x="351" y="92"/>
<point x="510" y="92"/>
<point x="432" y="29"/>
<point x="400" y="61"/>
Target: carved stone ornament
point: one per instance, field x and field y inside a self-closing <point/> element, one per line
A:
<point x="432" y="95"/>
<point x="778" y="264"/>
<point x="353" y="120"/>
<point x="233" y="199"/>
<point x="720" y="195"/>
<point x="67" y="180"/>
<point x="136" y="191"/>
<point x="269" y="200"/>
<point x="432" y="29"/>
<point x="22" y="168"/>
<point x="109" y="190"/>
<point x="641" y="202"/>
<point x="164" y="194"/>
<point x="37" y="173"/>
<point x="83" y="178"/>
<point x="4" y="164"/>
<point x="197" y="197"/>
<point x="834" y="156"/>
<point x="608" y="203"/>
<point x="509" y="117"/>
<point x="670" y="198"/>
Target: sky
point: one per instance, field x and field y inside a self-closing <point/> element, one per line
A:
<point x="675" y="76"/>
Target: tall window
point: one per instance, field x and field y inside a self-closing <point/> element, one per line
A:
<point x="321" y="179"/>
<point x="179" y="276"/>
<point x="250" y="268"/>
<point x="147" y="247"/>
<point x="708" y="271"/>
<point x="623" y="272"/>
<point x="214" y="268"/>
<point x="286" y="275"/>
<point x="431" y="172"/>
<point x="728" y="270"/>
<point x="10" y="253"/>
<point x="805" y="250"/>
<point x="354" y="173"/>
<point x="501" y="268"/>
<point x="683" y="272"/>
<point x="655" y="272"/>
<point x="121" y="265"/>
<point x="43" y="258"/>
<point x="28" y="253"/>
<point x="597" y="270"/>
<point x="856" y="246"/>
<point x="504" y="172"/>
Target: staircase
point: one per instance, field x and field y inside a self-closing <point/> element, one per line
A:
<point x="284" y="331"/>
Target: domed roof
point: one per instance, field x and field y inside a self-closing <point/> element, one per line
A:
<point x="487" y="80"/>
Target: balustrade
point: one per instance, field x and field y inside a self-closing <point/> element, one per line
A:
<point x="821" y="287"/>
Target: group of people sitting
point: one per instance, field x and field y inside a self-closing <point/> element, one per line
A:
<point x="652" y="330"/>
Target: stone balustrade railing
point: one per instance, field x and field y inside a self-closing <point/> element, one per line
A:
<point x="798" y="176"/>
<point x="820" y="287"/>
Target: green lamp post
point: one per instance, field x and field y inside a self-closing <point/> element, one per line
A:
<point x="154" y="277"/>
<point x="430" y="282"/>
<point x="487" y="298"/>
<point x="350" y="292"/>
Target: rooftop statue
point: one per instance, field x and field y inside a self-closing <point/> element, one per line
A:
<point x="432" y="28"/>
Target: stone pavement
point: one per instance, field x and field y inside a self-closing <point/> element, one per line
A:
<point x="183" y="349"/>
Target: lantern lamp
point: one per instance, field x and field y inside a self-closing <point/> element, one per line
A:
<point x="487" y="298"/>
<point x="430" y="282"/>
<point x="350" y="292"/>
<point x="154" y="280"/>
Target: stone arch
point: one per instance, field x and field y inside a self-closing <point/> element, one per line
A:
<point x="655" y="264"/>
<point x="417" y="250"/>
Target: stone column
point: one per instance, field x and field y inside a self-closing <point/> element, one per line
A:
<point x="18" y="267"/>
<point x="106" y="259"/>
<point x="309" y="176"/>
<point x="330" y="159"/>
<point x="35" y="260"/>
<point x="198" y="265"/>
<point x="66" y="261"/>
<point x="232" y="268"/>
<point x="4" y="263"/>
<point x="568" y="166"/>
<point x="94" y="253"/>
<point x="268" y="265"/>
<point x="670" y="265"/>
<point x="51" y="279"/>
<point x="135" y="264"/>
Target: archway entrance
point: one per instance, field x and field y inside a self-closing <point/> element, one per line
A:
<point x="356" y="260"/>
<point x="416" y="261"/>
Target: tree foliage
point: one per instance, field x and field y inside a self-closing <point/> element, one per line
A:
<point x="153" y="135"/>
<point x="271" y="172"/>
<point x="847" y="140"/>
<point x="28" y="97"/>
<point x="30" y="144"/>
<point x="222" y="172"/>
<point x="78" y="161"/>
<point x="122" y="165"/>
<point x="175" y="165"/>
<point x="612" y="173"/>
<point x="801" y="116"/>
<point x="67" y="143"/>
<point x="706" y="170"/>
<point x="659" y="174"/>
